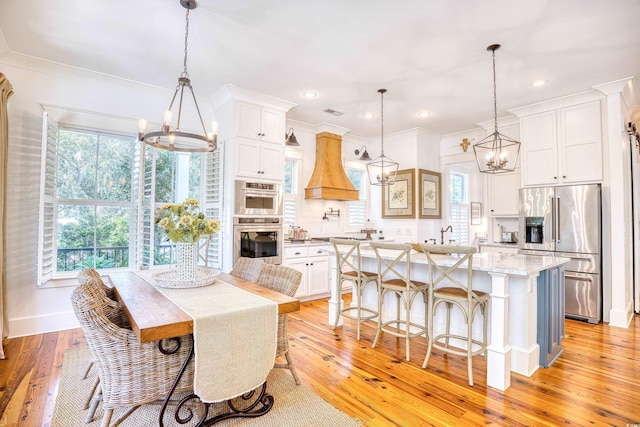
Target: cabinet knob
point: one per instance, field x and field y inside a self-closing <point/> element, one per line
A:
<point x="297" y="253"/>
<point x="555" y="177"/>
<point x="311" y="264"/>
<point x="564" y="176"/>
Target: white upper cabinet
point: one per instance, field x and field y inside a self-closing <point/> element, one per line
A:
<point x="503" y="194"/>
<point x="581" y="141"/>
<point x="562" y="146"/>
<point x="261" y="123"/>
<point x="257" y="159"/>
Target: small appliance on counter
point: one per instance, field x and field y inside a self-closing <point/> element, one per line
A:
<point x="509" y="237"/>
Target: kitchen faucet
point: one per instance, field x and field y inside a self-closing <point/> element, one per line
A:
<point x="442" y="231"/>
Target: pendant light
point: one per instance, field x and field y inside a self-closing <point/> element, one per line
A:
<point x="175" y="139"/>
<point x="496" y="153"/>
<point x="382" y="170"/>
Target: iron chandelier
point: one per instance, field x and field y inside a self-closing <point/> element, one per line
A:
<point x="176" y="139"/>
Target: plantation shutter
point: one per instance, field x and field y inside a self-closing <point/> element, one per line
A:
<point x="47" y="215"/>
<point x="135" y="219"/>
<point x="459" y="220"/>
<point x="289" y="217"/>
<point x="357" y="212"/>
<point x="145" y="209"/>
<point x="212" y="202"/>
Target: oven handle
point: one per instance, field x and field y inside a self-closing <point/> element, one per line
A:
<point x="260" y="193"/>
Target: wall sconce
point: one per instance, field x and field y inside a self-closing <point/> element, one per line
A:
<point x="365" y="155"/>
<point x="465" y="144"/>
<point x="290" y="138"/>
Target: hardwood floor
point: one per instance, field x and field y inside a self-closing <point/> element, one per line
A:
<point x="594" y="382"/>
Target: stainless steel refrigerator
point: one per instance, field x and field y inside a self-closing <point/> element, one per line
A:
<point x="566" y="221"/>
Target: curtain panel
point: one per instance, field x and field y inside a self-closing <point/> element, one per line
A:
<point x="6" y="90"/>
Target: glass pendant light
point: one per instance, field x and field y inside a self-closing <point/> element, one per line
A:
<point x="497" y="153"/>
<point x="382" y="170"/>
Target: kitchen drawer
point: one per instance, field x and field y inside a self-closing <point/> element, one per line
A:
<point x="297" y="252"/>
<point x="318" y="251"/>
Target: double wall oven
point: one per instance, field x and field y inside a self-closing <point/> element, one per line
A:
<point x="257" y="224"/>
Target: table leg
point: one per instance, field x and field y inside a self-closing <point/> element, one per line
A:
<point x="254" y="403"/>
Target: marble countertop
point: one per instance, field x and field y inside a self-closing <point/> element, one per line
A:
<point x="492" y="262"/>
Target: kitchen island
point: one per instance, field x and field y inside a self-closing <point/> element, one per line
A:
<point x="515" y="283"/>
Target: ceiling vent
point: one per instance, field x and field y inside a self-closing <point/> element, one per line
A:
<point x="329" y="180"/>
<point x="333" y="112"/>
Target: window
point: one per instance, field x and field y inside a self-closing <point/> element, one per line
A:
<point x="357" y="209"/>
<point x="93" y="202"/>
<point x="99" y="192"/>
<point x="459" y="207"/>
<point x="291" y="186"/>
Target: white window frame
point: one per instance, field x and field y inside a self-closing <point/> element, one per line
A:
<point x="295" y="198"/>
<point x="142" y="207"/>
<point x="363" y="195"/>
<point x="459" y="213"/>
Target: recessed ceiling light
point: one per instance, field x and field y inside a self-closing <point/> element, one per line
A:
<point x="309" y="94"/>
<point x="424" y="113"/>
<point x="539" y="83"/>
<point x="368" y="115"/>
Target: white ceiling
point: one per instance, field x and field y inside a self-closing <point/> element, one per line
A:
<point x="429" y="54"/>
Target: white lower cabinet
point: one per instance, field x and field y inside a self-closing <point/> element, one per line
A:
<point x="313" y="263"/>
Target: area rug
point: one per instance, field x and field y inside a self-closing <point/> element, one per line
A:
<point x="294" y="405"/>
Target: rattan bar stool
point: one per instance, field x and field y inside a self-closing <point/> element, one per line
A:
<point x="394" y="275"/>
<point x="460" y="295"/>
<point x="349" y="268"/>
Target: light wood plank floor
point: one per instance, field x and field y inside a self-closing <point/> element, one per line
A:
<point x="595" y="382"/>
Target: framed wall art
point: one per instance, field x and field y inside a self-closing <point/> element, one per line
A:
<point x="430" y="194"/>
<point x="476" y="213"/>
<point x="398" y="199"/>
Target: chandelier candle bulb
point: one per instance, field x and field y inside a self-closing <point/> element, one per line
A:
<point x="167" y="118"/>
<point x="142" y="125"/>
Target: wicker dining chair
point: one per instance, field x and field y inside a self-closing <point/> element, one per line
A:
<point x="455" y="291"/>
<point x="247" y="268"/>
<point x="394" y="276"/>
<point x="131" y="373"/>
<point x="349" y="269"/>
<point x="286" y="281"/>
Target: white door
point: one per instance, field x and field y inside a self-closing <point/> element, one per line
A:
<point x="247" y="157"/>
<point x="318" y="274"/>
<point x="540" y="155"/>
<point x="248" y="120"/>
<point x="271" y="161"/>
<point x="272" y="126"/>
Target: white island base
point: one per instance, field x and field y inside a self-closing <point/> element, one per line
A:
<point x="512" y="281"/>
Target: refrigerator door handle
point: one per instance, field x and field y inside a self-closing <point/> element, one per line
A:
<point x="557" y="219"/>
<point x="553" y="219"/>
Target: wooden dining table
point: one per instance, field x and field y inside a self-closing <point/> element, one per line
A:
<point x="154" y="317"/>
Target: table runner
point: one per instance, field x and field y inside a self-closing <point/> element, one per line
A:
<point x="234" y="333"/>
